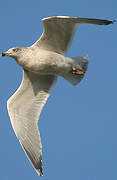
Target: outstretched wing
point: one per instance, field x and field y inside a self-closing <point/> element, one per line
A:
<point x="24" y="108"/>
<point x="59" y="31"/>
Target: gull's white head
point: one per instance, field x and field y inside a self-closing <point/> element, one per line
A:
<point x="13" y="52"/>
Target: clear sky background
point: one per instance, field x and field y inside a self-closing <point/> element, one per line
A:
<point x="78" y="124"/>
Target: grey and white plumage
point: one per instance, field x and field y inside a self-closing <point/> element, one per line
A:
<point x="42" y="63"/>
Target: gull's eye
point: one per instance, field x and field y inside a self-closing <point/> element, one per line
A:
<point x="15" y="49"/>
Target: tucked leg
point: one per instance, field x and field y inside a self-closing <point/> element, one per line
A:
<point x="77" y="71"/>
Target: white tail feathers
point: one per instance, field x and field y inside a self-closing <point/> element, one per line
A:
<point x="79" y="67"/>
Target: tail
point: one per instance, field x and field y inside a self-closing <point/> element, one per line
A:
<point x="78" y="69"/>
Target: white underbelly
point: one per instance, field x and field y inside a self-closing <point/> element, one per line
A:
<point x="48" y="63"/>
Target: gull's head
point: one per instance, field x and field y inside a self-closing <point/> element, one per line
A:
<point x="13" y="52"/>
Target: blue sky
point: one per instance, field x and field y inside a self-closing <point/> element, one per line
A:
<point x="78" y="125"/>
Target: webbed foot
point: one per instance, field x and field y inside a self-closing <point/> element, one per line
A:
<point x="77" y="71"/>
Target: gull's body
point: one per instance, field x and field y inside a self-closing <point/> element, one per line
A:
<point x="42" y="63"/>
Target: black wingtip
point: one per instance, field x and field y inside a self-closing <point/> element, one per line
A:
<point x="39" y="172"/>
<point x="37" y="164"/>
<point x="110" y="22"/>
<point x="40" y="169"/>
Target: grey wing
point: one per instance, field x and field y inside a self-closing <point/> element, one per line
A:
<point x="24" y="108"/>
<point x="59" y="31"/>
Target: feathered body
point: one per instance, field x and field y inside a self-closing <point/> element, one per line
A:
<point x="42" y="63"/>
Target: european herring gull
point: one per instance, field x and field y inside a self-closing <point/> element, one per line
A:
<point x="42" y="63"/>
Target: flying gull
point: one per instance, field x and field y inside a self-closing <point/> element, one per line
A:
<point x="42" y="63"/>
